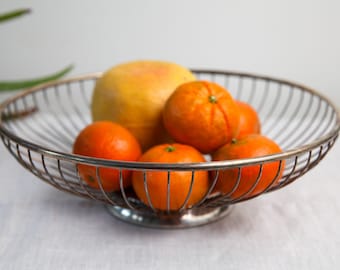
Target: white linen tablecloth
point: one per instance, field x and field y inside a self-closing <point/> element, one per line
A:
<point x="297" y="227"/>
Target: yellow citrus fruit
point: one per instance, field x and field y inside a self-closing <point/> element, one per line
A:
<point x="133" y="94"/>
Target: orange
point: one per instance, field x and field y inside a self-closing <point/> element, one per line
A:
<point x="180" y="181"/>
<point x="249" y="120"/>
<point x="250" y="146"/>
<point x="202" y="114"/>
<point x="107" y="140"/>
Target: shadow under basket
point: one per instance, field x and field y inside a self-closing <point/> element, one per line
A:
<point x="38" y="127"/>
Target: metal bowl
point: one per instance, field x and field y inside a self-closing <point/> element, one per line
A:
<point x="39" y="125"/>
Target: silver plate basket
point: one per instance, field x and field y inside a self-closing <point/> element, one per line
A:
<point x="38" y="127"/>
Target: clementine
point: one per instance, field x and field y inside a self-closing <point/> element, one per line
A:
<point x="251" y="181"/>
<point x="180" y="182"/>
<point x="107" y="140"/>
<point x="249" y="120"/>
<point x="202" y="114"/>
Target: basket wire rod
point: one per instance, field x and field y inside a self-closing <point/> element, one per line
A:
<point x="61" y="173"/>
<point x="331" y="118"/>
<point x="275" y="179"/>
<point x="35" y="169"/>
<point x="50" y="177"/>
<point x="54" y="136"/>
<point x="22" y="161"/>
<point x="50" y="129"/>
<point x="34" y="99"/>
<point x="252" y="188"/>
<point x="64" y="110"/>
<point x="212" y="186"/>
<point x="295" y="112"/>
<point x="298" y="130"/>
<point x="213" y="77"/>
<point x="302" y="171"/>
<point x="226" y="197"/>
<point x="76" y="110"/>
<point x="122" y="190"/>
<point x="168" y="183"/>
<point x="303" y="158"/>
<point x="237" y="183"/>
<point x="287" y="177"/>
<point x="28" y="109"/>
<point x="73" y="187"/>
<point x="189" y="191"/>
<point x="26" y="130"/>
<point x="18" y="113"/>
<point x="318" y="131"/>
<point x="24" y="101"/>
<point x="252" y="91"/>
<point x="322" y="154"/>
<point x="15" y="105"/>
<point x="19" y="154"/>
<point x="268" y="189"/>
<point x="44" y="93"/>
<point x="3" y="140"/>
<point x="67" y="171"/>
<point x="316" y="161"/>
<point x="39" y="173"/>
<point x="197" y="75"/>
<point x="289" y="165"/>
<point x="9" y="112"/>
<point x="324" y="123"/>
<point x="309" y="166"/>
<point x="99" y="181"/>
<point x="239" y="88"/>
<point x="272" y="108"/>
<point x="61" y="123"/>
<point x="18" y="158"/>
<point x="82" y="90"/>
<point x="334" y="116"/>
<point x="306" y="136"/>
<point x="281" y="114"/>
<point x="299" y="172"/>
<point x="147" y="191"/>
<point x="226" y="82"/>
<point x="264" y="97"/>
<point x="290" y="137"/>
<point x="83" y="186"/>
<point x="47" y="127"/>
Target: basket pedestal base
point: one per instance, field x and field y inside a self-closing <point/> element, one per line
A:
<point x="187" y="219"/>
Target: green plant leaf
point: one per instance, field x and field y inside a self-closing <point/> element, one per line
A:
<point x="13" y="14"/>
<point x="16" y="85"/>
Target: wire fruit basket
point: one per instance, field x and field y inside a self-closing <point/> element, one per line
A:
<point x="39" y="126"/>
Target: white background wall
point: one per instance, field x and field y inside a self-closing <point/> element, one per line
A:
<point x="297" y="40"/>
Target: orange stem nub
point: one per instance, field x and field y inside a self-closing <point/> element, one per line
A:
<point x="170" y="148"/>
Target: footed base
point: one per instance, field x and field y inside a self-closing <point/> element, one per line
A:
<point x="187" y="219"/>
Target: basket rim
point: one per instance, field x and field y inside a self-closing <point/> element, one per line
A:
<point x="208" y="165"/>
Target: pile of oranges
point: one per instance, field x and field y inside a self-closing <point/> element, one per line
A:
<point x="202" y="119"/>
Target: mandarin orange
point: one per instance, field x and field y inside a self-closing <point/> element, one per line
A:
<point x="252" y="180"/>
<point x="106" y="140"/>
<point x="180" y="182"/>
<point x="202" y="114"/>
<point x="249" y="120"/>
